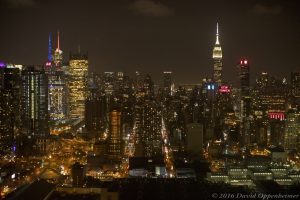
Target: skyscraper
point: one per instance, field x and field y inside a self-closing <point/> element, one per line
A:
<point x="56" y="83"/>
<point x="268" y="102"/>
<point x="148" y="87"/>
<point x="77" y="84"/>
<point x="176" y="125"/>
<point x="217" y="58"/>
<point x="114" y="139"/>
<point x="292" y="130"/>
<point x="34" y="102"/>
<point x="244" y="85"/>
<point x="167" y="83"/>
<point x="195" y="138"/>
<point x="244" y="75"/>
<point x="58" y="54"/>
<point x="95" y="112"/>
<point x="295" y="80"/>
<point x="151" y="129"/>
<point x="109" y="82"/>
<point x="10" y="96"/>
<point x="57" y="94"/>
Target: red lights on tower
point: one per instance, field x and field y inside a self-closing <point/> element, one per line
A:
<point x="243" y="62"/>
<point x="48" y="64"/>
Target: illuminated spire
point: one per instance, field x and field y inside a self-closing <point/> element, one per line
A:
<point x="217" y="34"/>
<point x="58" y="54"/>
<point x="58" y="40"/>
<point x="217" y="57"/>
<point x="50" y="48"/>
<point x="217" y="51"/>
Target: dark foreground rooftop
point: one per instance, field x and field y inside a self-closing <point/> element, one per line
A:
<point x="38" y="190"/>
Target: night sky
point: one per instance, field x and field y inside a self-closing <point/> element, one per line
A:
<point x="155" y="35"/>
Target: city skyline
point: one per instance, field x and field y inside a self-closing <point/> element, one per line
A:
<point x="134" y="36"/>
<point x="149" y="99"/>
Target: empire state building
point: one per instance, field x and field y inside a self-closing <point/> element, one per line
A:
<point x="217" y="57"/>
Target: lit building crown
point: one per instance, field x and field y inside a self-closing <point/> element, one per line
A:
<point x="217" y="51"/>
<point x="58" y="54"/>
<point x="217" y="58"/>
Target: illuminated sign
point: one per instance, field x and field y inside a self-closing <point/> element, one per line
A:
<point x="276" y="115"/>
<point x="224" y="89"/>
<point x="210" y="86"/>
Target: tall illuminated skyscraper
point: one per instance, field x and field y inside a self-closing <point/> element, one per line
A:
<point x="114" y="139"/>
<point x="292" y="130"/>
<point x="245" y="106"/>
<point x="244" y="74"/>
<point x="58" y="54"/>
<point x="217" y="57"/>
<point x="77" y="84"/>
<point x="10" y="99"/>
<point x="34" y="114"/>
<point x="151" y="129"/>
<point x="57" y="95"/>
<point x="56" y="82"/>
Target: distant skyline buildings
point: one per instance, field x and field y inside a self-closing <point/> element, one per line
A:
<point x="180" y="42"/>
<point x="70" y="84"/>
<point x="158" y="96"/>
<point x="55" y="56"/>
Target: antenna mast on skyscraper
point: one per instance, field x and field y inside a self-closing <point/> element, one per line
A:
<point x="58" y="40"/>
<point x="50" y="48"/>
<point x="217" y="34"/>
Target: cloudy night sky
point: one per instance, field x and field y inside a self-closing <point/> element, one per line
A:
<point x="156" y="35"/>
